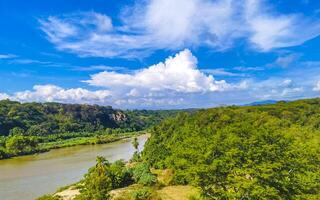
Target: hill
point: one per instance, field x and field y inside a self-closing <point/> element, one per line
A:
<point x="265" y="102"/>
<point x="40" y="119"/>
<point x="27" y="128"/>
<point x="243" y="152"/>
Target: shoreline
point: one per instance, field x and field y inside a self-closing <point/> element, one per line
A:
<point x="89" y="141"/>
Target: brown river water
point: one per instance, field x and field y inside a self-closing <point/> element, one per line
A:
<point x="28" y="177"/>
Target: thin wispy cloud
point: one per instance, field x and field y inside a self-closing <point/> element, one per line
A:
<point x="284" y="61"/>
<point x="100" y="68"/>
<point x="221" y="72"/>
<point x="7" y="56"/>
<point x="173" y="25"/>
<point x="28" y="61"/>
<point x="246" y="69"/>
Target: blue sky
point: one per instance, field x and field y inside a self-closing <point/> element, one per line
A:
<point x="159" y="53"/>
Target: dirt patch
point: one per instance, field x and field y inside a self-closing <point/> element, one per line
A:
<point x="68" y="194"/>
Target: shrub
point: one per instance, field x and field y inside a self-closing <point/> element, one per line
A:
<point x="143" y="175"/>
<point x="141" y="194"/>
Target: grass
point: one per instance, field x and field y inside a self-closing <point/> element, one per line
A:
<point x="164" y="176"/>
<point x="175" y="192"/>
<point x="161" y="191"/>
<point x="178" y="192"/>
<point x="102" y="139"/>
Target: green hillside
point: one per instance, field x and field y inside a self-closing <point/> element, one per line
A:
<point x="251" y="152"/>
<point x="27" y="128"/>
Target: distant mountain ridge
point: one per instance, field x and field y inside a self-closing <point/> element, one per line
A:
<point x="264" y="102"/>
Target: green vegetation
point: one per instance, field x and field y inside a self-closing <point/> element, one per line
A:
<point x="250" y="152"/>
<point x="253" y="152"/>
<point x="36" y="127"/>
<point x="44" y="119"/>
<point x="104" y="177"/>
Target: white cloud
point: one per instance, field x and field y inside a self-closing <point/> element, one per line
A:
<point x="45" y="93"/>
<point x="271" y="30"/>
<point x="28" y="61"/>
<point x="4" y="96"/>
<point x="285" y="61"/>
<point x="166" y="24"/>
<point x="276" y="88"/>
<point x="175" y="83"/>
<point x="245" y="69"/>
<point x="7" y="56"/>
<point x="178" y="74"/>
<point x="317" y="87"/>
<point x="99" y="68"/>
<point x="221" y="72"/>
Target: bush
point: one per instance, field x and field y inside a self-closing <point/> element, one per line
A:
<point x="141" y="194"/>
<point x="136" y="157"/>
<point x="3" y="153"/>
<point x="143" y="175"/>
<point x="119" y="174"/>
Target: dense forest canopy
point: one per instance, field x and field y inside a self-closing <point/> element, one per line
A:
<point x="27" y="128"/>
<point x="40" y="119"/>
<point x="250" y="152"/>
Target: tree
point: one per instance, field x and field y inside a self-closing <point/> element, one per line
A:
<point x="19" y="145"/>
<point x="135" y="143"/>
<point x="97" y="184"/>
<point x="17" y="131"/>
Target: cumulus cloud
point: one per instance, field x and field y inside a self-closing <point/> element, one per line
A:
<point x="176" y="82"/>
<point x="178" y="74"/>
<point x="166" y="24"/>
<point x="49" y="93"/>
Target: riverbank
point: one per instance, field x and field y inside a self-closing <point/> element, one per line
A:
<point x="70" y="142"/>
<point x="31" y="176"/>
<point x="163" y="190"/>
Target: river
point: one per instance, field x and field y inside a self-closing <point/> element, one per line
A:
<point x="28" y="177"/>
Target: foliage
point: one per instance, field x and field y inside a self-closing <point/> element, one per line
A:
<point x="252" y="152"/>
<point x="51" y="124"/>
<point x="120" y="175"/>
<point x="103" y="178"/>
<point x="42" y="119"/>
<point x="135" y="143"/>
<point x="97" y="184"/>
<point x="19" y="145"/>
<point x="143" y="175"/>
<point x="141" y="194"/>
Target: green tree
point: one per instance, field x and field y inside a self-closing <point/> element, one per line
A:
<point x="135" y="143"/>
<point x="97" y="184"/>
<point x="143" y="175"/>
<point x="16" y="131"/>
<point x="19" y="145"/>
